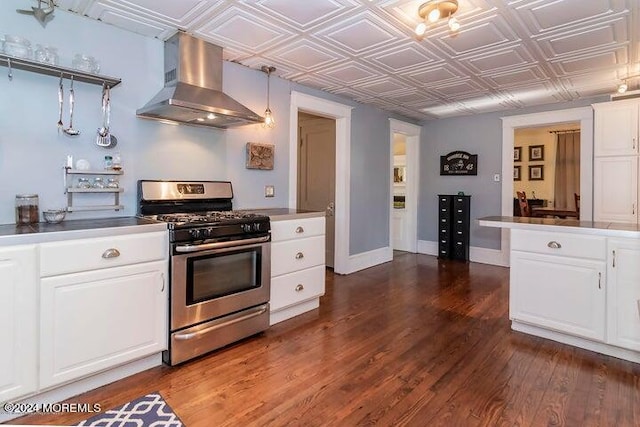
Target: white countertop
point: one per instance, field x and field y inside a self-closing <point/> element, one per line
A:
<point x="562" y="226"/>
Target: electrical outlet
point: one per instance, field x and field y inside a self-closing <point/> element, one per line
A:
<point x="269" y="191"/>
<point x="496" y="177"/>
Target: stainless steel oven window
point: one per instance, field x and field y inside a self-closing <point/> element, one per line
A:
<point x="222" y="274"/>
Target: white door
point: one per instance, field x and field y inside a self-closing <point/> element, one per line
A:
<point x="623" y="295"/>
<point x="560" y="293"/>
<point x="96" y="320"/>
<point x="18" y="314"/>
<point x="615" y="189"/>
<point x="317" y="173"/>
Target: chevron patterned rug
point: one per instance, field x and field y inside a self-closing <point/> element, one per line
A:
<point x="149" y="410"/>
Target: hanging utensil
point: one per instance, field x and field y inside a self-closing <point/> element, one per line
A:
<point x="111" y="140"/>
<point x="60" y="104"/>
<point x="43" y="16"/>
<point x="10" y="75"/>
<point x="70" y="130"/>
<point x="103" y="130"/>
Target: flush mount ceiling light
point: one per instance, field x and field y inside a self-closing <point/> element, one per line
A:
<point x="433" y="10"/>
<point x="269" y="122"/>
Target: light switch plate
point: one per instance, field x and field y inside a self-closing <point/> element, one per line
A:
<point x="269" y="191"/>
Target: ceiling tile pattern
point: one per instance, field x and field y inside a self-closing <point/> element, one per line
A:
<point x="508" y="53"/>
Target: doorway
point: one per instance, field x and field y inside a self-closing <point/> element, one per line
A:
<point x="341" y="114"/>
<point x="403" y="218"/>
<point x="583" y="116"/>
<point x="317" y="172"/>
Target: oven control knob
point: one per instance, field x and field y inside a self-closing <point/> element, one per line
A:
<point x="208" y="232"/>
<point x="246" y="228"/>
<point x="196" y="234"/>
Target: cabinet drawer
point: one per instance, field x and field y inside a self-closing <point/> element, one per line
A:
<point x="573" y="245"/>
<point x="294" y="255"/>
<point x="293" y="288"/>
<point x="296" y="228"/>
<point x="91" y="254"/>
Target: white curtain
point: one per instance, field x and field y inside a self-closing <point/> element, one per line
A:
<point x="567" y="182"/>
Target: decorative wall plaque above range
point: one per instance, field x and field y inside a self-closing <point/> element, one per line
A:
<point x="459" y="163"/>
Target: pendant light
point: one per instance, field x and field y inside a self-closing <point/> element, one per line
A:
<point x="269" y="121"/>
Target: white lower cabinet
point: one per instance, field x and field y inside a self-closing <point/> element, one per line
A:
<point x="103" y="303"/>
<point x="623" y="278"/>
<point x="297" y="266"/>
<point x="92" y="321"/>
<point x="560" y="293"/>
<point x="18" y="317"/>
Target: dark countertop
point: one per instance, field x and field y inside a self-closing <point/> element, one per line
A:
<point x="563" y="225"/>
<point x="283" y="214"/>
<point x="12" y="234"/>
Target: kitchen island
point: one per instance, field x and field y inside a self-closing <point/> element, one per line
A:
<point x="576" y="282"/>
<point x="297" y="261"/>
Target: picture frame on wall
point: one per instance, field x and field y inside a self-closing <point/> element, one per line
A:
<point x="516" y="173"/>
<point x="517" y="154"/>
<point x="536" y="173"/>
<point x="536" y="152"/>
<point x="259" y="156"/>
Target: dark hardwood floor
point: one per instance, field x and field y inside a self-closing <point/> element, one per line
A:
<point x="416" y="342"/>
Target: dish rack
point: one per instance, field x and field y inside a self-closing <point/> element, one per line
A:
<point x="70" y="190"/>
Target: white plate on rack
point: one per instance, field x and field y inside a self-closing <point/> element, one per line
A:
<point x="83" y="165"/>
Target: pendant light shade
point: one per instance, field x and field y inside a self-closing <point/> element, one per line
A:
<point x="269" y="121"/>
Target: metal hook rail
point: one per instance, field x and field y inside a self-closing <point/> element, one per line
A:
<point x="15" y="63"/>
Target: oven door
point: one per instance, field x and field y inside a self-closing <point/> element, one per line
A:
<point x="216" y="279"/>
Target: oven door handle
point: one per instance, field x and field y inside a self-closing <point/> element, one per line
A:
<point x="220" y="245"/>
<point x="256" y="312"/>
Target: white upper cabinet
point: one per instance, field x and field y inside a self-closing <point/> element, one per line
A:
<point x="615" y="189"/>
<point x="616" y="128"/>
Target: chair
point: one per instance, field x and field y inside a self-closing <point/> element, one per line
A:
<point x="524" y="204"/>
<point x="576" y="198"/>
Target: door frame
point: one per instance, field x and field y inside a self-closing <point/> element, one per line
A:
<point x="412" y="135"/>
<point x="342" y="115"/>
<point x="584" y="115"/>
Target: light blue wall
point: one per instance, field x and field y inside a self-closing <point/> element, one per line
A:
<point x="32" y="152"/>
<point x="480" y="134"/>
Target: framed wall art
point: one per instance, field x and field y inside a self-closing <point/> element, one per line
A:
<point x="517" y="154"/>
<point x="260" y="156"/>
<point x="536" y="152"/>
<point x="536" y="173"/>
<point x="516" y="173"/>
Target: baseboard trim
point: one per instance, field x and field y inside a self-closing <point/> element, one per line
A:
<point x="60" y="393"/>
<point x="476" y="254"/>
<point x="369" y="259"/>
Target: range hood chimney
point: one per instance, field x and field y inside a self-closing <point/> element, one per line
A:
<point x="192" y="92"/>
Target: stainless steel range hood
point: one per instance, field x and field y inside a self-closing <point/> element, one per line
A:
<point x="192" y="93"/>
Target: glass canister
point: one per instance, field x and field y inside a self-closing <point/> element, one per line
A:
<point x="113" y="183"/>
<point x="83" y="183"/>
<point x="27" y="211"/>
<point x="98" y="183"/>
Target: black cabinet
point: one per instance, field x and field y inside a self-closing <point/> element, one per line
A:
<point x="454" y="219"/>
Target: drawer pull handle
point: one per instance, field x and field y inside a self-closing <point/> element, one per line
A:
<point x="554" y="245"/>
<point x="111" y="253"/>
<point x="299" y="255"/>
<point x="299" y="287"/>
<point x="299" y="230"/>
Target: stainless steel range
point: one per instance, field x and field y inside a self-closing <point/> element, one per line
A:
<point x="219" y="265"/>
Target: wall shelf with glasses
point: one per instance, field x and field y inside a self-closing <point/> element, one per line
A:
<point x="57" y="71"/>
<point x="70" y="190"/>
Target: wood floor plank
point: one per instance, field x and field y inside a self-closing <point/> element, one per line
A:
<point x="414" y="342"/>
